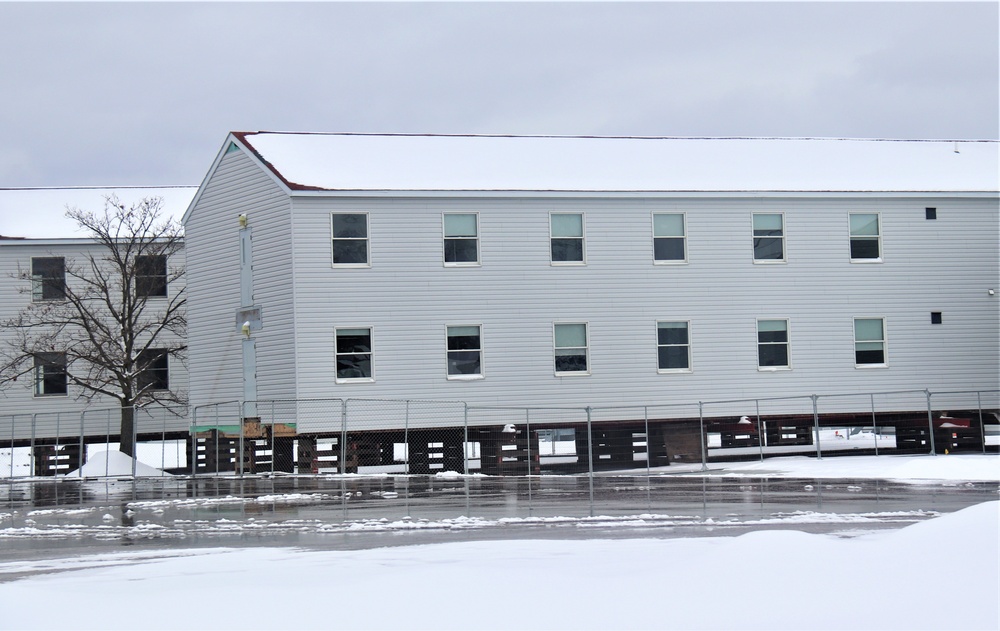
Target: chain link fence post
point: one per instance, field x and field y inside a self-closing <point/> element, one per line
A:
<point x="930" y="423"/>
<point x="645" y="422"/>
<point x="760" y="432"/>
<point x="342" y="465"/>
<point x="982" y="426"/>
<point x="83" y="447"/>
<point x="465" y="449"/>
<point x="704" y="437"/>
<point x="819" y="448"/>
<point x="32" y="457"/>
<point x="193" y="442"/>
<point x="12" y="430"/>
<point x="874" y="423"/>
<point x="135" y="445"/>
<point x="590" y="461"/>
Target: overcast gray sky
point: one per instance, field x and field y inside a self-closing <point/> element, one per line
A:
<point x="143" y="94"/>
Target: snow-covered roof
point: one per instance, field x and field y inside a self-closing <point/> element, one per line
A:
<point x="39" y="213"/>
<point x="410" y="162"/>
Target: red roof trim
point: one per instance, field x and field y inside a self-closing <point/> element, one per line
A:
<point x="242" y="136"/>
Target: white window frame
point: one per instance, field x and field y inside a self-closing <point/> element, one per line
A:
<point x="885" y="342"/>
<point x="156" y="353"/>
<point x="38" y="281"/>
<point x="673" y="371"/>
<point x="586" y="350"/>
<point x="482" y="363"/>
<point x="445" y="238"/>
<point x="783" y="237"/>
<point x="787" y="343"/>
<point x="142" y="292"/>
<point x="582" y="237"/>
<point x="367" y="240"/>
<point x="878" y="237"/>
<point x="684" y="238"/>
<point x="337" y="354"/>
<point x="38" y="375"/>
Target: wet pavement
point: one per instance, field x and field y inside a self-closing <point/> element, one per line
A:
<point x="40" y="519"/>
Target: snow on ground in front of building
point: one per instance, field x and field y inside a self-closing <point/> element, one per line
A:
<point x="971" y="467"/>
<point x="938" y="574"/>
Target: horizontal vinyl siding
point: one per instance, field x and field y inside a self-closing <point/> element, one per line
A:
<point x="408" y="296"/>
<point x="212" y="236"/>
<point x="272" y="291"/>
<point x="64" y="411"/>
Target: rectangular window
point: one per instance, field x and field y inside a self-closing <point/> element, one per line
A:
<point x="465" y="352"/>
<point x="350" y="239"/>
<point x="48" y="278"/>
<point x="151" y="276"/>
<point x="50" y="374"/>
<point x="865" y="237"/>
<point x="354" y="354"/>
<point x="930" y="213"/>
<point x="461" y="239"/>
<point x="673" y="349"/>
<point x="154" y="371"/>
<point x="669" y="243"/>
<point x="772" y="344"/>
<point x="570" y="348"/>
<point x="566" y="237"/>
<point x="869" y="342"/>
<point x="768" y="237"/>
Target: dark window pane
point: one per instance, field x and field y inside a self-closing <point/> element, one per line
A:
<point x="464" y="363"/>
<point x="567" y="250"/>
<point x="772" y="336"/>
<point x="354" y="366"/>
<point x="864" y="249"/>
<point x="354" y="343"/>
<point x="48" y="276"/>
<point x="350" y="226"/>
<point x="773" y="354"/>
<point x="870" y="356"/>
<point x="463" y="342"/>
<point x="54" y="382"/>
<point x="673" y="357"/>
<point x="460" y="251"/>
<point x="50" y="373"/>
<point x="671" y="335"/>
<point x="668" y="249"/>
<point x="768" y="248"/>
<point x="350" y="251"/>
<point x="151" y="275"/>
<point x="155" y="374"/>
<point x="571" y="361"/>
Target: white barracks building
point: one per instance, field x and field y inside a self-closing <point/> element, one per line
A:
<point x="571" y="271"/>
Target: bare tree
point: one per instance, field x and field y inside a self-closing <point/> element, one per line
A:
<point x="107" y="323"/>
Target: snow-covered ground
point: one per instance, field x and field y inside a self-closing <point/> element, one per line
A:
<point x="940" y="573"/>
<point x="916" y="469"/>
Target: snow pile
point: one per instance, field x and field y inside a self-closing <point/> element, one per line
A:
<point x="754" y="581"/>
<point x="972" y="467"/>
<point x="114" y="463"/>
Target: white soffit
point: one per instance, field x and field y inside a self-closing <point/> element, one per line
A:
<point x="363" y="162"/>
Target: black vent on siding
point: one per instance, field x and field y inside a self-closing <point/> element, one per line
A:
<point x="931" y="213"/>
<point x="935" y="317"/>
